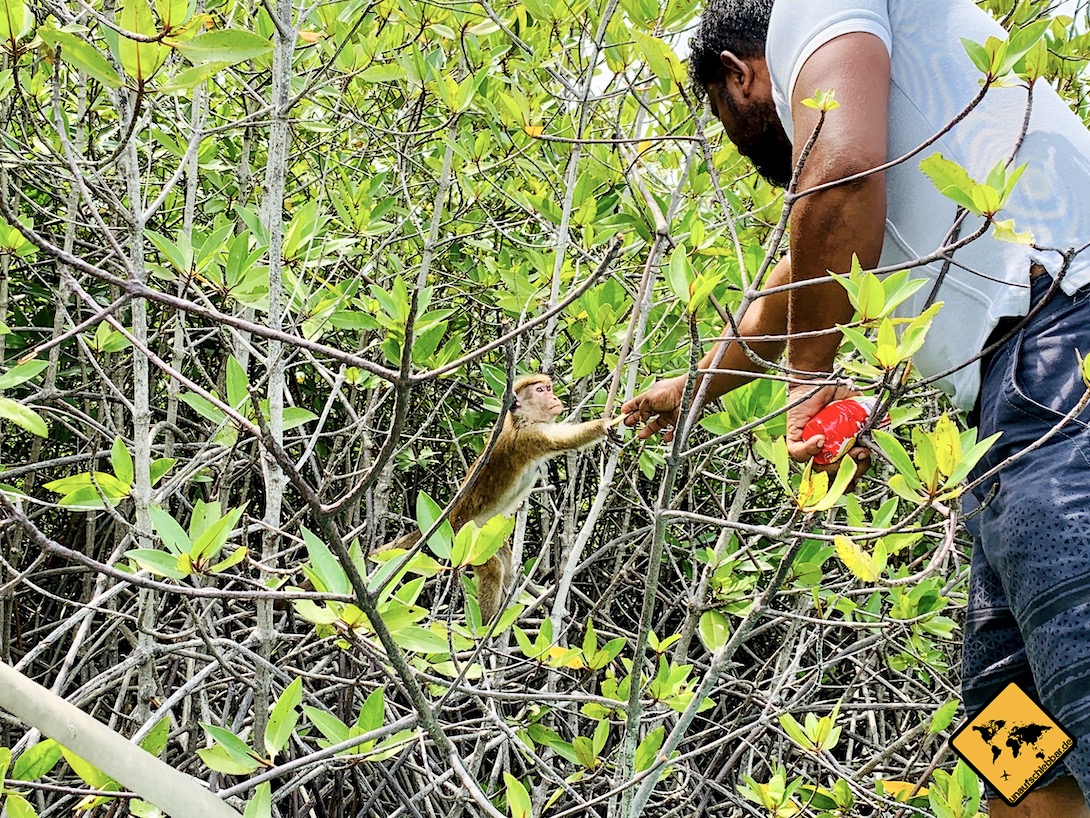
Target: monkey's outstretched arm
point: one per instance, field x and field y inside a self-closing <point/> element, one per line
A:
<point x="562" y="437"/>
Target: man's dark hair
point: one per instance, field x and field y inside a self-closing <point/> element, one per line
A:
<point x="739" y="26"/>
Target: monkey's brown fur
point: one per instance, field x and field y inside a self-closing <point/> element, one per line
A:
<point x="528" y="438"/>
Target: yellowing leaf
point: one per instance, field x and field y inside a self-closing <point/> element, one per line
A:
<point x="560" y="656"/>
<point x="900" y="790"/>
<point x="862" y="565"/>
<point x="947" y="445"/>
<point x="1004" y="231"/>
<point x="814" y="487"/>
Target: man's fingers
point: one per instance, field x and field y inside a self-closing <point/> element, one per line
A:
<point x="805" y="449"/>
<point x="660" y="423"/>
<point x="862" y="457"/>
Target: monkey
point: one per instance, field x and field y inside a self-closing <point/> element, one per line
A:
<point x="529" y="437"/>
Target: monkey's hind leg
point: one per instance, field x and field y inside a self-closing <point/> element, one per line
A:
<point x="492" y="580"/>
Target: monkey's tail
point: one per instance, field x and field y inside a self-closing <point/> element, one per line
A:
<point x="492" y="580"/>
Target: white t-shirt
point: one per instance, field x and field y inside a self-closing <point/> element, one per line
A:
<point x="932" y="80"/>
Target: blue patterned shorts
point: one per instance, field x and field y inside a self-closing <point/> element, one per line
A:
<point x="1028" y="619"/>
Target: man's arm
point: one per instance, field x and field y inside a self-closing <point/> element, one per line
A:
<point x="827" y="228"/>
<point x="766" y="316"/>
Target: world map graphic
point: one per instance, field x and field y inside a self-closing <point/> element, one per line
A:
<point x="1018" y="738"/>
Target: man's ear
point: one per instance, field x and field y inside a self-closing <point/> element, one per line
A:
<point x="737" y="70"/>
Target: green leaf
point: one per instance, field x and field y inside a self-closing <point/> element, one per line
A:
<point x="463" y="544"/>
<point x="326" y="566"/>
<point x="212" y="540"/>
<point x="899" y="486"/>
<point x="942" y="717"/>
<point x="647" y="752"/>
<point x="139" y="59"/>
<point x="679" y="273"/>
<point x="159" y="467"/>
<point x="260" y="806"/>
<point x="237" y="556"/>
<point x="714" y="630"/>
<point x="418" y="640"/>
<point x="373" y="711"/>
<point x="1005" y="231"/>
<point x="158" y="562"/>
<point x="228" y="46"/>
<point x="986" y="199"/>
<point x="861" y="342"/>
<point x="952" y="180"/>
<point x="334" y="730"/>
<point x="170" y="532"/>
<point x="293" y="417"/>
<point x="203" y="407"/>
<point x="970" y="458"/>
<point x="121" y="461"/>
<point x="235" y="747"/>
<point x="284" y="717"/>
<point x="156" y="739"/>
<point x="978" y="55"/>
<point x="218" y="759"/>
<point x="871" y="300"/>
<point x="22" y="373"/>
<point x="36" y="761"/>
<point x="492" y="537"/>
<point x="382" y="72"/>
<point x="204" y="514"/>
<point x="844" y="474"/>
<point x="13" y="19"/>
<point x="88" y="773"/>
<point x="238" y="386"/>
<point x="23" y="417"/>
<point x="314" y="613"/>
<point x="142" y="809"/>
<point x="822" y="101"/>
<point x="518" y="798"/>
<point x="795" y="732"/>
<point x="172" y="13"/>
<point x="93" y="497"/>
<point x="179" y="255"/>
<point x="900" y="458"/>
<point x="193" y="76"/>
<point x="427" y="512"/>
<point x="587" y="356"/>
<point x="18" y="807"/>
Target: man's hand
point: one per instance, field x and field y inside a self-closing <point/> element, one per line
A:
<point x="813" y="401"/>
<point x="657" y="408"/>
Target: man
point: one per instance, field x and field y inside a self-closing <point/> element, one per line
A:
<point x="901" y="75"/>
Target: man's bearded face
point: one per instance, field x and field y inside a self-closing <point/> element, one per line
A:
<point x="755" y="129"/>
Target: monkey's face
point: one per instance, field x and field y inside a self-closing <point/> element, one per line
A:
<point x="538" y="403"/>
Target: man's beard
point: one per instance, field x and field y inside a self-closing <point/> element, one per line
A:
<point x="765" y="144"/>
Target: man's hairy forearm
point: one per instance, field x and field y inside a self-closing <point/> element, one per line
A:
<point x="765" y="317"/>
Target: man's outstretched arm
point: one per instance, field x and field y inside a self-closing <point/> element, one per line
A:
<point x="766" y="316"/>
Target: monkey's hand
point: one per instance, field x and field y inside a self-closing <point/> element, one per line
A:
<point x="610" y="427"/>
<point x="657" y="408"/>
